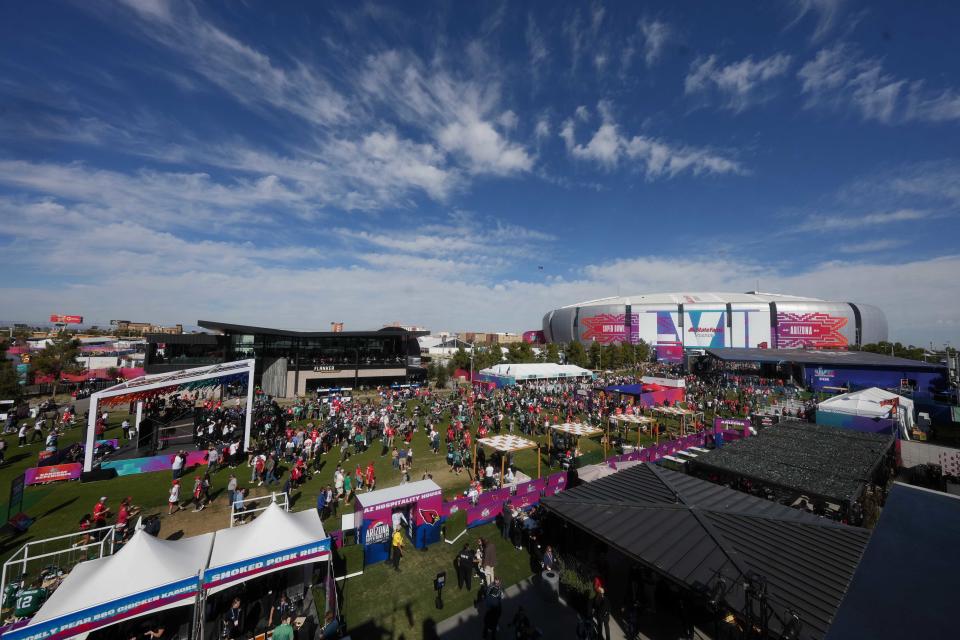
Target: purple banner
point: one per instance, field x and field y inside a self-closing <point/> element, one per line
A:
<point x="154" y="463"/>
<point x="479" y="515"/>
<point x="721" y="424"/>
<point x="454" y="506"/>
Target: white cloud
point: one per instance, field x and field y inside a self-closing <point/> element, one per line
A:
<point x="582" y="113"/>
<point x="738" y="84"/>
<point x="870" y="246"/>
<point x="508" y="120"/>
<point x="831" y="223"/>
<point x="839" y="78"/>
<point x="656" y="35"/>
<point x="826" y="12"/>
<point x="654" y="157"/>
<point x="542" y="128"/>
<point x="536" y="43"/>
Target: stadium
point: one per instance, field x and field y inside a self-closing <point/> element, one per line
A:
<point x="672" y="322"/>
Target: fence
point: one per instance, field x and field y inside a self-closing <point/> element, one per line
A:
<point x="279" y="498"/>
<point x="58" y="555"/>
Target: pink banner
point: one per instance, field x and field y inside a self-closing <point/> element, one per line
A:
<point x="454" y="506"/>
<point x="53" y="473"/>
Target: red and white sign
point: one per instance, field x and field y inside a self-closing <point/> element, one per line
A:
<point x="61" y="319"/>
<point x="816" y="330"/>
<point x="53" y="473"/>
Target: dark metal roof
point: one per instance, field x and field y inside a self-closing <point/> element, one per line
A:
<point x="905" y="586"/>
<point x="245" y="329"/>
<point x="183" y="338"/>
<point x="824" y="358"/>
<point x="694" y="531"/>
<point x="830" y="462"/>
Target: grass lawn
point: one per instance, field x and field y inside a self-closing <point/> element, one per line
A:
<point x="383" y="604"/>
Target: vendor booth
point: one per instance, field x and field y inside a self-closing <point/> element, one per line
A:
<point x="414" y="508"/>
<point x="106" y="597"/>
<point x="870" y="410"/>
<point x="651" y="392"/>
<point x="578" y="430"/>
<point x="277" y="553"/>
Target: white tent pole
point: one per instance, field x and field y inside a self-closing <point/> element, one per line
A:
<point x="136" y="424"/>
<point x="91" y="432"/>
<point x="246" y="430"/>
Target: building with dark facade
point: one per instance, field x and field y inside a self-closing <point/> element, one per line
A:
<point x="291" y="363"/>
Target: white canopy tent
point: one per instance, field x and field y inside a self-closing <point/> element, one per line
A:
<point x="537" y="371"/>
<point x="867" y="404"/>
<point x="146" y="576"/>
<point x="275" y="540"/>
<point x="172" y="381"/>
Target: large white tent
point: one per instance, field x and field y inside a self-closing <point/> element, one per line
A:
<point x="867" y="404"/>
<point x="145" y="576"/>
<point x="275" y="540"/>
<point x="536" y="371"/>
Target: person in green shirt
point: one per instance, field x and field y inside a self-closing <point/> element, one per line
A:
<point x="347" y="488"/>
<point x="29" y="602"/>
<point x="284" y="630"/>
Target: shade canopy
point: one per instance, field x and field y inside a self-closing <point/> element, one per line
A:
<point x="537" y="371"/>
<point x="633" y="419"/>
<point x="507" y="443"/>
<point x="871" y="403"/>
<point x="275" y="540"/>
<point x="576" y="429"/>
<point x="145" y="576"/>
<point x="674" y="411"/>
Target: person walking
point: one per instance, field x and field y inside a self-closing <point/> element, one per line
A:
<point x="396" y="548"/>
<point x="174" y="499"/>
<point x="231" y="488"/>
<point x="601" y="614"/>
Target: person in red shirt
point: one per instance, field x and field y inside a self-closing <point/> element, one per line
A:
<point x="123" y="515"/>
<point x="371" y="478"/>
<point x="100" y="513"/>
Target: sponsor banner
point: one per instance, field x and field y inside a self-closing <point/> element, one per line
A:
<point x="607" y="328"/>
<point x="53" y="473"/>
<point x="526" y="500"/>
<point x="83" y="622"/>
<point x="657" y="398"/>
<point x="153" y="463"/>
<point x="479" y="515"/>
<point x="61" y="319"/>
<point x="810" y="330"/>
<point x="113" y="442"/>
<point x="705" y="328"/>
<point x="719" y="424"/>
<point x="246" y="569"/>
<point x="455" y="506"/>
<point x="375" y="537"/>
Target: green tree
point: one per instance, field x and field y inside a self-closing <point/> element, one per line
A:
<point x="520" y="352"/>
<point x="641" y="352"/>
<point x="440" y="376"/>
<point x="552" y="353"/>
<point x="596" y="355"/>
<point x="461" y="359"/>
<point x="577" y="355"/>
<point x="611" y="356"/>
<point x="57" y="358"/>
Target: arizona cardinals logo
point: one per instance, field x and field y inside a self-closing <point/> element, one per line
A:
<point x="429" y="516"/>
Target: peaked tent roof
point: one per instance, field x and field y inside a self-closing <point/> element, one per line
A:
<point x="694" y="532"/>
<point x="866" y="403"/>
<point x="407" y="491"/>
<point x="143" y="564"/>
<point x="905" y="587"/>
<point x="272" y="532"/>
<point x="536" y="371"/>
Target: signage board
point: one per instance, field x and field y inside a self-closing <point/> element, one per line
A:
<point x="64" y="319"/>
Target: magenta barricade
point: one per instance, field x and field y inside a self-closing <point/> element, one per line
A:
<point x="455" y="506"/>
<point x="482" y="514"/>
<point x="725" y="424"/>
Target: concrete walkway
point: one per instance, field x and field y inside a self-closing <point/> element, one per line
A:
<point x="553" y="619"/>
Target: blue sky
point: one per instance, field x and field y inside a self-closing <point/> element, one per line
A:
<point x="293" y="164"/>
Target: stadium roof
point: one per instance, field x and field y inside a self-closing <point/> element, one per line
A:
<point x="829" y="462"/>
<point x="904" y="586"/>
<point x="695" y="532"/>
<point x="695" y="298"/>
<point x="826" y="358"/>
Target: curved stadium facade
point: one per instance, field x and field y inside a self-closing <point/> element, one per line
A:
<point x="672" y="322"/>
